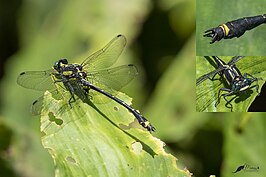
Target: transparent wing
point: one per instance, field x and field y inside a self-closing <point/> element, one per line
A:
<point x="234" y="60"/>
<point x="36" y="80"/>
<point x="105" y="57"/>
<point x="37" y="105"/>
<point x="110" y="80"/>
<point x="207" y="76"/>
<point x="114" y="78"/>
<point x="207" y="95"/>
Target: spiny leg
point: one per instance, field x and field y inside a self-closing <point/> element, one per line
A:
<point x="227" y="101"/>
<point x="253" y="79"/>
<point x="71" y="100"/>
<point x="219" y="94"/>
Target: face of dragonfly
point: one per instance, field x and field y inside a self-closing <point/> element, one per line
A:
<point x="208" y="83"/>
<point x="241" y="84"/>
<point x="59" y="64"/>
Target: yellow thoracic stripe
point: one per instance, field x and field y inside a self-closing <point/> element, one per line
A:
<point x="66" y="73"/>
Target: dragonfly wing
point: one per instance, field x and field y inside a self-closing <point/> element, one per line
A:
<point x="206" y="96"/>
<point x="208" y="76"/>
<point x="36" y="80"/>
<point x="37" y="105"/>
<point x="110" y="80"/>
<point x="234" y="60"/>
<point x="107" y="56"/>
<point x="114" y="78"/>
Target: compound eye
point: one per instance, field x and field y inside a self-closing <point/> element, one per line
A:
<point x="64" y="61"/>
<point x="56" y="65"/>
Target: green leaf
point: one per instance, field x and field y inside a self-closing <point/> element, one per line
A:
<point x="207" y="91"/>
<point x="101" y="140"/>
<point x="212" y="13"/>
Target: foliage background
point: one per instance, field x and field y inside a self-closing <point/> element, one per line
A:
<point x="160" y="41"/>
<point x="212" y="13"/>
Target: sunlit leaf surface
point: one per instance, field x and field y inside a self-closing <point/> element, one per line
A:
<point x="100" y="140"/>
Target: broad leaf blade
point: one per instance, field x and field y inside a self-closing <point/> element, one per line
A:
<point x="97" y="141"/>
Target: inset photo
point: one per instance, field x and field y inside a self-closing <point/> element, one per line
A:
<point x="231" y="28"/>
<point x="230" y="84"/>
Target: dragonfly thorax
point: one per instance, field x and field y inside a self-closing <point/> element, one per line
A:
<point x="68" y="70"/>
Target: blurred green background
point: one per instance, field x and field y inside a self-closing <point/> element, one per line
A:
<point x="161" y="42"/>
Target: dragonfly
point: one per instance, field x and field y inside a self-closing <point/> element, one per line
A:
<point x="237" y="83"/>
<point x="91" y="79"/>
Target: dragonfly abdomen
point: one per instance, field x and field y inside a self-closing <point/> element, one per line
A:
<point x="235" y="28"/>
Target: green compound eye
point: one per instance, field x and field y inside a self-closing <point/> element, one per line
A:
<point x="235" y="28"/>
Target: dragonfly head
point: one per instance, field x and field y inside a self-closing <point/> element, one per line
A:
<point x="58" y="64"/>
<point x="241" y="83"/>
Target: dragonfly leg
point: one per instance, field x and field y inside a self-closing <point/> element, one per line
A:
<point x="253" y="79"/>
<point x="220" y="95"/>
<point x="227" y="101"/>
<point x="71" y="100"/>
<point x="72" y="91"/>
<point x="212" y="78"/>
